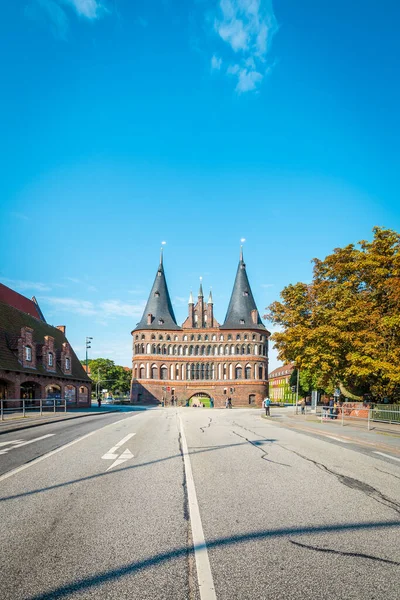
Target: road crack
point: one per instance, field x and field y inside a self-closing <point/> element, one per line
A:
<point x="342" y="553"/>
<point x="206" y="426"/>
<point x="354" y="484"/>
<point x="387" y="473"/>
<point x="257" y="445"/>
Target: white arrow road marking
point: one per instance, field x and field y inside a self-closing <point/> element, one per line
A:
<point x="20" y="443"/>
<point x="119" y="459"/>
<point x="110" y="454"/>
<point x="11" y="442"/>
<point x="387" y="456"/>
<point x="126" y="455"/>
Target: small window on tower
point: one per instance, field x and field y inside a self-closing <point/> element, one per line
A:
<point x="161" y="321"/>
<point x="245" y="293"/>
<point x="242" y="321"/>
<point x="157" y="294"/>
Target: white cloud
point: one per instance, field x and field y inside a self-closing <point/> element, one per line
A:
<point x="216" y="63"/>
<point x="79" y="307"/>
<point x="103" y="310"/>
<point x="247" y="28"/>
<point x="91" y="9"/>
<point x="54" y="13"/>
<point x="122" y="309"/>
<point x="19" y="284"/>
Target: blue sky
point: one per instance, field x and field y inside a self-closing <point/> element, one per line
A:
<point x="197" y="122"/>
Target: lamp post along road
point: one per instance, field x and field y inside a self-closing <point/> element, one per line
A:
<point x="297" y="389"/>
<point x="88" y="342"/>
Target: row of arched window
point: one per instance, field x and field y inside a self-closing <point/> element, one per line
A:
<point x="197" y="350"/>
<point x="194" y="371"/>
<point x="206" y="337"/>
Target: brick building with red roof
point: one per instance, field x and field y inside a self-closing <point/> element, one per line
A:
<point x="36" y="359"/>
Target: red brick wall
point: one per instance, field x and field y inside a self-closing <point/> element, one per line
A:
<point x="150" y="390"/>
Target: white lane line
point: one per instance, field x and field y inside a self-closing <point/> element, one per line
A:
<point x="11" y="442"/>
<point x="332" y="437"/>
<point x="22" y="443"/>
<point x="40" y="458"/>
<point x="204" y="575"/>
<point x="110" y="455"/>
<point x="387" y="455"/>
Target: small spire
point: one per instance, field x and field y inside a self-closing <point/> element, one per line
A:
<point x="241" y="249"/>
<point x="210" y="298"/>
<point x="161" y="256"/>
<point x="191" y="298"/>
<point x="201" y="288"/>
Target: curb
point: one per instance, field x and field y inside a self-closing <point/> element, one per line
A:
<point x="19" y="427"/>
<point x="329" y="435"/>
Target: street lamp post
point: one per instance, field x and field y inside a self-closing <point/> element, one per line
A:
<point x="88" y="342"/>
<point x="297" y="389"/>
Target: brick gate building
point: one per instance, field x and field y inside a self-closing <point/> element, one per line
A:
<point x="201" y="357"/>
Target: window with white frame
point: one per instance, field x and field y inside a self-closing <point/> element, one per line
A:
<point x="28" y="353"/>
<point x="67" y="364"/>
<point x="50" y="359"/>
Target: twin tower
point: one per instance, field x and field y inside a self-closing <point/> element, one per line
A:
<point x="200" y="360"/>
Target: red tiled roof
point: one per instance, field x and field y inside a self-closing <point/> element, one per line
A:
<point x="281" y="371"/>
<point x="12" y="298"/>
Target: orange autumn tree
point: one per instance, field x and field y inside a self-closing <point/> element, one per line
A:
<point x="344" y="327"/>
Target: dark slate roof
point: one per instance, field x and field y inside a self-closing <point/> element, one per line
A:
<point x="12" y="298"/>
<point x="11" y="322"/>
<point x="241" y="303"/>
<point x="159" y="305"/>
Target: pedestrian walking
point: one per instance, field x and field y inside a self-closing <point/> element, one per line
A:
<point x="267" y="404"/>
<point x="229" y="402"/>
<point x="303" y="406"/>
<point x="211" y="402"/>
<point x="325" y="408"/>
<point x="99" y="401"/>
<point x="331" y="408"/>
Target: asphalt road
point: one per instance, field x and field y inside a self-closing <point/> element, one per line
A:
<point x="114" y="514"/>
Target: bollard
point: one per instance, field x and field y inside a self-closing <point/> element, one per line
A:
<point x="342" y="416"/>
<point x="54" y="409"/>
<point x="65" y="405"/>
<point x="23" y="408"/>
<point x="369" y="411"/>
<point x="1" y="410"/>
<point x="41" y="407"/>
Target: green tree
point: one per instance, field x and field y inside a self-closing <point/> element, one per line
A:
<point x="105" y="373"/>
<point x="344" y="327"/>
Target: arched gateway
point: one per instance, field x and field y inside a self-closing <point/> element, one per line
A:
<point x="200" y="358"/>
<point x="198" y="397"/>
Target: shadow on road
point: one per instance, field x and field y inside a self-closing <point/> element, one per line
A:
<point x="158" y="559"/>
<point x="128" y="468"/>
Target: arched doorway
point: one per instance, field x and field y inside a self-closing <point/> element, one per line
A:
<point x="30" y="391"/>
<point x="4" y="389"/>
<point x="200" y="397"/>
<point x="83" y="394"/>
<point x="70" y="394"/>
<point x="53" y="392"/>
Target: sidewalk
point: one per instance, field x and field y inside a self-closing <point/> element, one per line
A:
<point x="16" y="422"/>
<point x="385" y="436"/>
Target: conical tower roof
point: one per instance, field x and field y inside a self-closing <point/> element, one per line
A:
<point x="241" y="306"/>
<point x="159" y="305"/>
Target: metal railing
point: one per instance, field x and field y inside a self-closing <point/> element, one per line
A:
<point x="25" y="406"/>
<point x="353" y="415"/>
